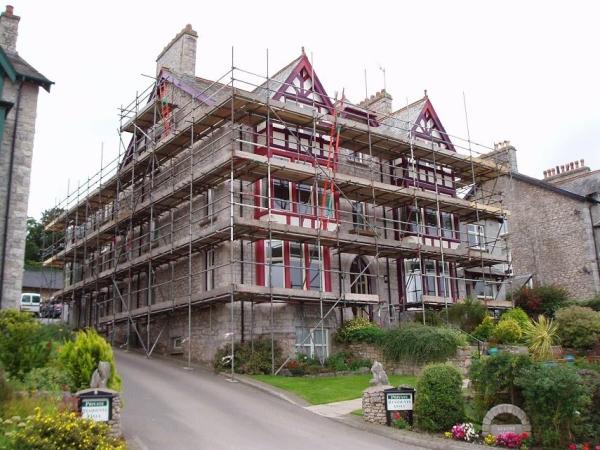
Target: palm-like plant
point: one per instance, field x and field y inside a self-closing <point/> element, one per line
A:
<point x="540" y="336"/>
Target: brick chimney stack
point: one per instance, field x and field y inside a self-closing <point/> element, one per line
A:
<point x="565" y="171"/>
<point x="504" y="154"/>
<point x="180" y="54"/>
<point x="9" y="30"/>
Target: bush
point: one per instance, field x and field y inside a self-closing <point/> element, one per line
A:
<point x="50" y="379"/>
<point x="252" y="359"/>
<point x="578" y="327"/>
<point x="593" y="303"/>
<point x="467" y="315"/>
<point x="81" y="357"/>
<point x="485" y="329"/>
<point x="493" y="379"/>
<point x="21" y="347"/>
<point x="518" y="315"/>
<point x="421" y="343"/>
<point x="554" y="397"/>
<point x="588" y="429"/>
<point x="544" y="300"/>
<point x="507" y="331"/>
<point x="439" y="403"/>
<point x="5" y="389"/>
<point x="359" y="330"/>
<point x="342" y="361"/>
<point x="62" y="431"/>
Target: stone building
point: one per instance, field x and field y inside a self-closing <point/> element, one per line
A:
<point x="43" y="282"/>
<point x="244" y="208"/>
<point x="19" y="86"/>
<point x="553" y="231"/>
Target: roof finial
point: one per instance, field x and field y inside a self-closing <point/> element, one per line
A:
<point x="303" y="52"/>
<point x="425" y="92"/>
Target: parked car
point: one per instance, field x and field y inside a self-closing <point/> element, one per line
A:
<point x="30" y="302"/>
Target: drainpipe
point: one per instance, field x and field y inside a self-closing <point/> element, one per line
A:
<point x="8" y="196"/>
<point x="594" y="238"/>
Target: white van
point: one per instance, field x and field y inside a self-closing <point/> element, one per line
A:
<point x="30" y="302"/>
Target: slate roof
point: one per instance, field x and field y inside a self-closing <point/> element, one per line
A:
<point x="42" y="279"/>
<point x="27" y="71"/>
<point x="587" y="183"/>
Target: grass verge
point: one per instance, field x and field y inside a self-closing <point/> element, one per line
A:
<point x="319" y="390"/>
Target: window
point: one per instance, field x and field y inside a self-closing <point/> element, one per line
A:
<point x="476" y="236"/>
<point x="275" y="270"/>
<point x="357" y="157"/>
<point x="411" y="219"/>
<point x="314" y="268"/>
<point x="325" y="206"/>
<point x="281" y="195"/>
<point x="358" y="216"/>
<point x="503" y="227"/>
<point x="209" y="205"/>
<point x="264" y="193"/>
<point x="313" y="344"/>
<point x="430" y="277"/>
<point x="431" y="222"/>
<point x="296" y="266"/>
<point x="177" y="343"/>
<point x="210" y="269"/>
<point x="359" y="277"/>
<point x="305" y="199"/>
<point x="413" y="281"/>
<point x="447" y="222"/>
<point x="483" y="289"/>
<point x="445" y="276"/>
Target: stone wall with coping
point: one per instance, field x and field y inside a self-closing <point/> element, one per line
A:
<point x="462" y="360"/>
<point x="373" y="404"/>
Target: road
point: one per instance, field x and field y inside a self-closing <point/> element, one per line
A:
<point x="170" y="408"/>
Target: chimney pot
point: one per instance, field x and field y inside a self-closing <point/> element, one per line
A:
<point x="545" y="174"/>
<point x="577" y="164"/>
<point x="9" y="10"/>
<point x="581" y="161"/>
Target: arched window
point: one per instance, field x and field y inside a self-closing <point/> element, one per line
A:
<point x="359" y="277"/>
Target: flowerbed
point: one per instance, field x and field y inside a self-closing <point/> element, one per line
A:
<point x="466" y="432"/>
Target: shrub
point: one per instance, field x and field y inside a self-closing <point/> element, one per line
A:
<point x="518" y="315"/>
<point x="467" y="315"/>
<point x="5" y="389"/>
<point x="554" y="397"/>
<point x="541" y="300"/>
<point x="493" y="379"/>
<point x="593" y="303"/>
<point x="540" y="335"/>
<point x="342" y="361"/>
<point x="421" y="343"/>
<point x="485" y="329"/>
<point x="250" y="358"/>
<point x="432" y="318"/>
<point x="439" y="403"/>
<point x="50" y="379"/>
<point x="21" y="347"/>
<point x="81" y="357"/>
<point x="588" y="429"/>
<point x="507" y="331"/>
<point x="63" y="430"/>
<point x="578" y="327"/>
<point x="359" y="330"/>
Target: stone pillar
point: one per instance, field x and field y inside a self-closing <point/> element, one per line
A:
<point x="373" y="404"/>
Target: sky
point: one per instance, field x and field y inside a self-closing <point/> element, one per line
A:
<point x="529" y="71"/>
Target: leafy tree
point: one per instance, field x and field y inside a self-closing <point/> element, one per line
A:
<point x="37" y="238"/>
<point x="468" y="314"/>
<point x="544" y="300"/>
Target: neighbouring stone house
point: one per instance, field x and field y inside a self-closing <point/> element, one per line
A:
<point x="19" y="86"/>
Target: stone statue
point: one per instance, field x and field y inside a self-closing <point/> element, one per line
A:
<point x="379" y="376"/>
<point x="100" y="375"/>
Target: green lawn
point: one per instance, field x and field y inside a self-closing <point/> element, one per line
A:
<point x="319" y="390"/>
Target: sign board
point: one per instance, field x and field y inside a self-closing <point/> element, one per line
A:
<point x="399" y="401"/>
<point x="96" y="408"/>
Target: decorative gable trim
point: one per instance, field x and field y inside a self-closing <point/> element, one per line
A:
<point x="429" y="127"/>
<point x="303" y="85"/>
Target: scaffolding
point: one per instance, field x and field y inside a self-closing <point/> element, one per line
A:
<point x="256" y="195"/>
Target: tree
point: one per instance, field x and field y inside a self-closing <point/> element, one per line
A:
<point x="38" y="238"/>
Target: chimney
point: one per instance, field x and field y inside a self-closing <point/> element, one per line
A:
<point x="504" y="154"/>
<point x="565" y="171"/>
<point x="180" y="54"/>
<point x="9" y="29"/>
<point x="381" y="103"/>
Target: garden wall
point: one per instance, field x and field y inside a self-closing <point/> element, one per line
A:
<point x="462" y="360"/>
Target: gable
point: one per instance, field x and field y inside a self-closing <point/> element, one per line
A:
<point x="429" y="127"/>
<point x="303" y="86"/>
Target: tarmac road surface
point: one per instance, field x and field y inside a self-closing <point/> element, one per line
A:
<point x="169" y="408"/>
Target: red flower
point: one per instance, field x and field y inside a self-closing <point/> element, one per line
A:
<point x="396" y="415"/>
<point x="572" y="447"/>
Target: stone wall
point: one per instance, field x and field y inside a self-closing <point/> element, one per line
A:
<point x="462" y="360"/>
